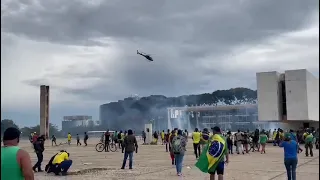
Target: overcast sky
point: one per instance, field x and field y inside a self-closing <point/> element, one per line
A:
<point x="85" y="50"/>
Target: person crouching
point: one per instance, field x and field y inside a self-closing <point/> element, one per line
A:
<point x="62" y="163"/>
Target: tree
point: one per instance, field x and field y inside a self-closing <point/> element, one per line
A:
<point x="53" y="130"/>
<point x="6" y="123"/>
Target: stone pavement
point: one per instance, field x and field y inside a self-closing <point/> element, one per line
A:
<point x="153" y="163"/>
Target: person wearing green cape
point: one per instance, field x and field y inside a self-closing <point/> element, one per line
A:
<point x="212" y="158"/>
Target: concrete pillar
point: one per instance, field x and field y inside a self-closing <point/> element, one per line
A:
<point x="169" y="119"/>
<point x="148" y="130"/>
<point x="197" y="118"/>
<point x="44" y="110"/>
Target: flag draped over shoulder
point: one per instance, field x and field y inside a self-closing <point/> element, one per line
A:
<point x="212" y="154"/>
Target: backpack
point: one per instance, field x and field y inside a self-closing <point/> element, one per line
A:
<point x="177" y="145"/>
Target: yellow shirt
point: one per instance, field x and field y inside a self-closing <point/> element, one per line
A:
<point x="60" y="157"/>
<point x="162" y="135"/>
<point x="69" y="137"/>
<point x="122" y="136"/>
<point x="196" y="136"/>
<point x="305" y="135"/>
<point x="274" y="134"/>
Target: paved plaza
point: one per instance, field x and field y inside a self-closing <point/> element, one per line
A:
<point x="153" y="163"/>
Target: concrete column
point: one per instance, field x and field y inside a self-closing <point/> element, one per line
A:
<point x="197" y="119"/>
<point x="169" y="119"/>
<point x="148" y="134"/>
<point x="44" y="110"/>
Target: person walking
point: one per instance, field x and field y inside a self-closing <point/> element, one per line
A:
<point x="85" y="139"/>
<point x="130" y="145"/>
<point x="167" y="139"/>
<point x="39" y="148"/>
<point x="309" y="143"/>
<point x="290" y="155"/>
<point x="106" y="141"/>
<point x="196" y="137"/>
<point x="239" y="140"/>
<point x="119" y="139"/>
<point x="255" y="140"/>
<point x="78" y="140"/>
<point x="69" y="139"/>
<point x="144" y="137"/>
<point x="53" y="140"/>
<point x="263" y="140"/>
<point x="179" y="143"/>
<point x="171" y="136"/>
<point x="230" y="142"/>
<point x="224" y="157"/>
<point x="15" y="162"/>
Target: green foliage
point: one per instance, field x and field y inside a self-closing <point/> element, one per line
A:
<point x="6" y="123"/>
<point x="53" y="130"/>
<point x="26" y="131"/>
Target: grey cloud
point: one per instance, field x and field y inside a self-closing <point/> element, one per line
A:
<point x="75" y="22"/>
<point x="182" y="36"/>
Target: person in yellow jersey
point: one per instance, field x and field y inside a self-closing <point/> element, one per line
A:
<point x="69" y="138"/>
<point x="62" y="162"/>
<point x="274" y="134"/>
<point x="196" y="137"/>
<point x="162" y="136"/>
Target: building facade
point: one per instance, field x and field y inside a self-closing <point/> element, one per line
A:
<point x="291" y="97"/>
<point x="70" y="122"/>
<point x="227" y="117"/>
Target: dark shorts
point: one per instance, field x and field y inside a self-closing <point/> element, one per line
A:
<point x="220" y="169"/>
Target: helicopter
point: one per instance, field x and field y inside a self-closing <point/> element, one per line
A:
<point x="147" y="56"/>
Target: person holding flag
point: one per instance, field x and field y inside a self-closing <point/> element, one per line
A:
<point x="214" y="155"/>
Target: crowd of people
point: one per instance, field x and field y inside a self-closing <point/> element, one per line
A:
<point x="216" y="144"/>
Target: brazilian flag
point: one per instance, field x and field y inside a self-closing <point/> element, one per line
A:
<point x="212" y="154"/>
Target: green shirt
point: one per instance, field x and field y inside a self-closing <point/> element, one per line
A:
<point x="10" y="168"/>
<point x="263" y="139"/>
<point x="309" y="138"/>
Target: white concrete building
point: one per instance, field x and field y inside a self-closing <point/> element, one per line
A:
<point x="291" y="97"/>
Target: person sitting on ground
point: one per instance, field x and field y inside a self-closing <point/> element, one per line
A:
<point x="62" y="162"/>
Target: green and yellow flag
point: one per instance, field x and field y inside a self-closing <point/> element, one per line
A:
<point x="212" y="154"/>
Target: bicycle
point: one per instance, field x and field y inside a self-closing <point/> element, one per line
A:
<point x="100" y="147"/>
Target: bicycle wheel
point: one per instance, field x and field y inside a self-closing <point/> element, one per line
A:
<point x="113" y="147"/>
<point x="100" y="147"/>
